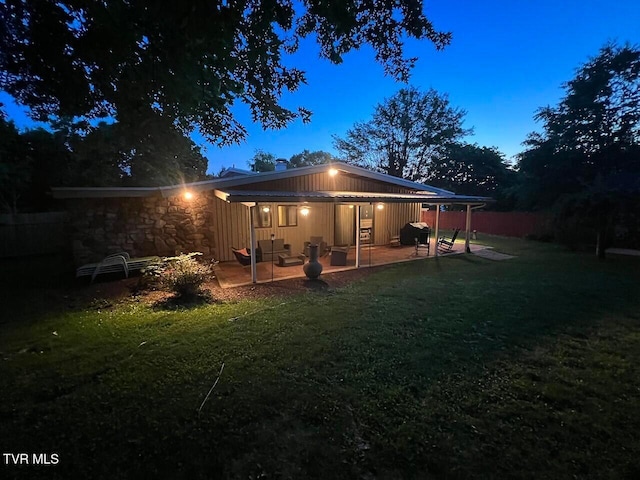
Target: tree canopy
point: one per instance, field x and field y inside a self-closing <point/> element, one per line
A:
<point x="307" y="158"/>
<point x="406" y="134"/>
<point x="189" y="62"/>
<point x="586" y="162"/>
<point x="469" y="169"/>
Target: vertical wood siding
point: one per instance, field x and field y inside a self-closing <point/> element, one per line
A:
<point x="231" y="222"/>
<point x="388" y="221"/>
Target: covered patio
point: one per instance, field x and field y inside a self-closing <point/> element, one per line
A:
<point x="232" y="274"/>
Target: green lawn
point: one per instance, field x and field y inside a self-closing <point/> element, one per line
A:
<point x="458" y="367"/>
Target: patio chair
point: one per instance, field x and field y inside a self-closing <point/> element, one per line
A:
<point x="322" y="246"/>
<point x="339" y="256"/>
<point x="447" y="245"/>
<point x="243" y="256"/>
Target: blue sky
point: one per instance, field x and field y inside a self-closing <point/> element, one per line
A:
<point x="507" y="59"/>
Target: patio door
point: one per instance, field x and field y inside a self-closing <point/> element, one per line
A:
<point x="345" y="219"/>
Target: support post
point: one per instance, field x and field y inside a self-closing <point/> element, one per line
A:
<point x="468" y="230"/>
<point x="437" y="236"/>
<point x="357" y="236"/>
<point x="252" y="240"/>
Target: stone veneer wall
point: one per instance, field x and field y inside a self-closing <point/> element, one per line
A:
<point x="141" y="226"/>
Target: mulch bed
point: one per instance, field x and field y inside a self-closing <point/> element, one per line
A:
<point x="120" y="290"/>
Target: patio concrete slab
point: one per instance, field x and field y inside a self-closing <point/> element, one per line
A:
<point x="490" y="254"/>
<point x="232" y="274"/>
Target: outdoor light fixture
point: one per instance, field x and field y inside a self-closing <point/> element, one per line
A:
<point x="333" y="172"/>
<point x="304" y="211"/>
<point x="188" y="195"/>
<point x="350" y="206"/>
<point x="380" y="206"/>
<point x="266" y="210"/>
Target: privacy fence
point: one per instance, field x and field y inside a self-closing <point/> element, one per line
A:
<point x="510" y="224"/>
<point x="31" y="234"/>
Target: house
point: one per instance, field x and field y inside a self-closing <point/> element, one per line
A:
<point x="345" y="204"/>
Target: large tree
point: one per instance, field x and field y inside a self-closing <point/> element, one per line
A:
<point x="406" y="134"/>
<point x="469" y="169"/>
<point x="262" y="162"/>
<point x="586" y="162"/>
<point x="307" y="158"/>
<point x="190" y="61"/>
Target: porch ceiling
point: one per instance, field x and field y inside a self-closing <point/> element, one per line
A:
<point x="245" y="196"/>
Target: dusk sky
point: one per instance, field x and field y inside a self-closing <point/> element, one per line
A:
<point x="507" y="59"/>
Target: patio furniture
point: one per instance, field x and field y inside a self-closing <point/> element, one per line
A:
<point x="289" y="261"/>
<point x="447" y="245"/>
<point x="339" y="256"/>
<point x="421" y="247"/>
<point x="117" y="262"/>
<point x="279" y="247"/>
<point x="243" y="256"/>
<point x="322" y="246"/>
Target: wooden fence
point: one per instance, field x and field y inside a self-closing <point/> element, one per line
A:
<point x="509" y="224"/>
<point x="31" y="234"/>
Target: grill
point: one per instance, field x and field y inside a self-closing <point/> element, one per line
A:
<point x="411" y="231"/>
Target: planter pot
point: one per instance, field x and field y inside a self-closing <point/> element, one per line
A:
<point x="313" y="268"/>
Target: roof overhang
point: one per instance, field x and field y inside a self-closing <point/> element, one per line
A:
<point x="242" y="180"/>
<point x="244" y="196"/>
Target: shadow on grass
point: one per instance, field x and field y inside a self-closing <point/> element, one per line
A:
<point x="185" y="302"/>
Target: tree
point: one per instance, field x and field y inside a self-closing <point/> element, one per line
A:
<point x="15" y="169"/>
<point x="472" y="170"/>
<point x="189" y="62"/>
<point x="586" y="163"/>
<point x="407" y="133"/>
<point x="307" y="158"/>
<point x="262" y="162"/>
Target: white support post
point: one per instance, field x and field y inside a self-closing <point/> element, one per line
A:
<point x="252" y="239"/>
<point x="468" y="230"/>
<point x="437" y="229"/>
<point x="357" y="236"/>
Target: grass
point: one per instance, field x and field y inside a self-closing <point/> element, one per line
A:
<point x="458" y="367"/>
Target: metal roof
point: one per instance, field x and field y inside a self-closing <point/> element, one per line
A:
<point x="233" y="181"/>
<point x="235" y="196"/>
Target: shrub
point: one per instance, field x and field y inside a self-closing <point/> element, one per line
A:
<point x="183" y="274"/>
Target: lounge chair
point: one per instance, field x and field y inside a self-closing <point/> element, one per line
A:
<point x="117" y="262"/>
<point x="447" y="245"/>
<point x="137" y="263"/>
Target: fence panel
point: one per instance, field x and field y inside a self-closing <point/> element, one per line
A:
<point x="509" y="224"/>
<point x="31" y="233"/>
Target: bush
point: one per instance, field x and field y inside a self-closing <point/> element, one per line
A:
<point x="183" y="275"/>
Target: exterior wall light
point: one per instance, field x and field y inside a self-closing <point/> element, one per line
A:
<point x="188" y="196"/>
<point x="265" y="209"/>
<point x="333" y="172"/>
<point x="380" y="206"/>
<point x="304" y="211"/>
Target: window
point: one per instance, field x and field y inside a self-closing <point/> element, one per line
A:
<point x="287" y="215"/>
<point x="263" y="216"/>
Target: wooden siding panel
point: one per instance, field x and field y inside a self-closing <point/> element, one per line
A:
<point x="387" y="222"/>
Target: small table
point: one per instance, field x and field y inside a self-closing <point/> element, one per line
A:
<point x="288" y="261"/>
